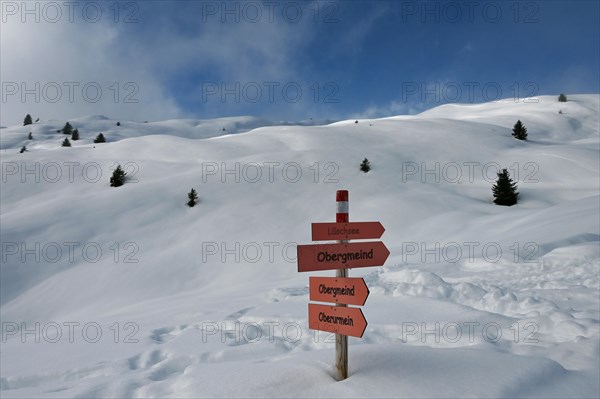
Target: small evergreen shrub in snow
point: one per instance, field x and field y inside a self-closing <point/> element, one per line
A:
<point x="67" y="129"/>
<point x="23" y="149"/>
<point x="27" y="120"/>
<point x="100" y="139"/>
<point x="30" y="136"/>
<point x="75" y="135"/>
<point x="365" y="166"/>
<point x="562" y="98"/>
<point x="118" y="177"/>
<point x="192" y="198"/>
<point x="118" y="123"/>
<point x="66" y="142"/>
<point x="505" y="189"/>
<point x="519" y="131"/>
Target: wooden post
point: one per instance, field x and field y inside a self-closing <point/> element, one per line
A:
<point x="341" y="341"/>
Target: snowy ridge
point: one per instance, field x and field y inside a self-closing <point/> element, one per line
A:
<point x="185" y="307"/>
<point x="91" y="125"/>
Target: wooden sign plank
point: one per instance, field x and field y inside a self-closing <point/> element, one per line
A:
<point x="346" y="231"/>
<point x="341" y="256"/>
<point x="348" y="291"/>
<point x="341" y="320"/>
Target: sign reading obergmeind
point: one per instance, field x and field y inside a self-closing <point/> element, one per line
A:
<point x="337" y="319"/>
<point x="346" y="231"/>
<point x="348" y="291"/>
<point x="341" y="256"/>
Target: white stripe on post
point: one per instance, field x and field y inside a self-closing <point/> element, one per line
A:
<point x="343" y="207"/>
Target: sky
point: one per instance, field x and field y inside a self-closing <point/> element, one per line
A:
<point x="288" y="60"/>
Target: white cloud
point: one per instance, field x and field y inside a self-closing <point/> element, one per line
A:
<point x="353" y="40"/>
<point x="393" y="108"/>
<point x="138" y="60"/>
<point x="56" y="61"/>
<point x="467" y="48"/>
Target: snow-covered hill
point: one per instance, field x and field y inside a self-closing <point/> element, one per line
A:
<point x="132" y="293"/>
<point x="188" y="128"/>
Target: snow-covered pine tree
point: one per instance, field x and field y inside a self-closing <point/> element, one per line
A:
<point x="67" y="129"/>
<point x="505" y="189"/>
<point x="118" y="177"/>
<point x="365" y="166"/>
<point x="192" y="198"/>
<point x="100" y="139"/>
<point x="519" y="131"/>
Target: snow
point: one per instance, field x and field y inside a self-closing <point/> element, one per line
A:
<point x="476" y="300"/>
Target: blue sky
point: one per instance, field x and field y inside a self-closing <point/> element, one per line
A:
<point x="291" y="60"/>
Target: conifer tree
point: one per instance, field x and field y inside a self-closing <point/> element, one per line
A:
<point x="75" y="135"/>
<point x="192" y="198"/>
<point x="562" y="98"/>
<point x="23" y="149"/>
<point x="118" y="177"/>
<point x="519" y="131"/>
<point x="30" y="136"/>
<point x="365" y="166"/>
<point x="505" y="189"/>
<point x="66" y="142"/>
<point x="27" y="120"/>
<point x="100" y="139"/>
<point x="67" y="129"/>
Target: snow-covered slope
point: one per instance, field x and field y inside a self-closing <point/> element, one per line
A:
<point x="90" y="126"/>
<point x="475" y="299"/>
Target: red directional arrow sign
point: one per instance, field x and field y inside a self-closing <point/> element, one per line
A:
<point x="341" y="256"/>
<point x="349" y="291"/>
<point x="346" y="231"/>
<point x="337" y="319"/>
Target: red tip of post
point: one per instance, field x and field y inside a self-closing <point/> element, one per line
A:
<point x="341" y="195"/>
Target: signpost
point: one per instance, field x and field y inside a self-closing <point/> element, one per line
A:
<point x="340" y="319"/>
